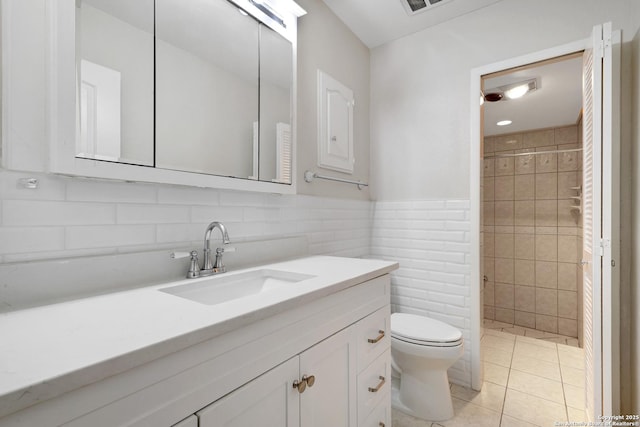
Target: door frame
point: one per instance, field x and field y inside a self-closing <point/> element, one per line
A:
<point x="475" y="172"/>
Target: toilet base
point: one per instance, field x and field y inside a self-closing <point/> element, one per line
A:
<point x="427" y="397"/>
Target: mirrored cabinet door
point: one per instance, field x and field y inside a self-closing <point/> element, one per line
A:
<point x="197" y="86"/>
<point x="206" y="88"/>
<point x="276" y="80"/>
<point x="114" y="68"/>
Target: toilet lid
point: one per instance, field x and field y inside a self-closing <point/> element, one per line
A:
<point x="420" y="329"/>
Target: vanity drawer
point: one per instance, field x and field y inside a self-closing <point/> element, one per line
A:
<point x="374" y="385"/>
<point x="380" y="416"/>
<point x="374" y="337"/>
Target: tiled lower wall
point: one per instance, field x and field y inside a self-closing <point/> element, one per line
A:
<point x="69" y="217"/>
<point x="430" y="239"/>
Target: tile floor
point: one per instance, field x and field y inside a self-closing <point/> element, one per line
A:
<point x="527" y="382"/>
<point x="528" y="332"/>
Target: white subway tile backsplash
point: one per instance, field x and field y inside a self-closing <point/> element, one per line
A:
<point x="86" y="190"/>
<point x="109" y="236"/>
<point x="152" y="214"/>
<point x="433" y="249"/>
<point x="40" y="213"/>
<point x="30" y="240"/>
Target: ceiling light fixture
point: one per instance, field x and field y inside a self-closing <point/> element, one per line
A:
<point x="511" y="91"/>
<point x="504" y="122"/>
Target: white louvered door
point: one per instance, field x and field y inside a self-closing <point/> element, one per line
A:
<point x="600" y="222"/>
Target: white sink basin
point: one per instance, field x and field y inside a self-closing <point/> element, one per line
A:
<point x="223" y="288"/>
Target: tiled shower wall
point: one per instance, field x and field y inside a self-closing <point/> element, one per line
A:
<point x="532" y="233"/>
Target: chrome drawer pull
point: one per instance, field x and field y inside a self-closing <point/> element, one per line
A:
<point x="379" y="386"/>
<point x="378" y="338"/>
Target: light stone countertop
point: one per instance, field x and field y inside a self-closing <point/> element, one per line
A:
<point x="50" y="350"/>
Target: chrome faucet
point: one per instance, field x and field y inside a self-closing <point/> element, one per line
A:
<point x="210" y="266"/>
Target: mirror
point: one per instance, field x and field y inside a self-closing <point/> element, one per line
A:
<point x="197" y="86"/>
<point x="114" y="92"/>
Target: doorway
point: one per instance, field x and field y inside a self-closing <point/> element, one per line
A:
<point x="531" y="208"/>
<point x="600" y="203"/>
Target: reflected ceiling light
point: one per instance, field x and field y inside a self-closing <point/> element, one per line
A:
<point x="517" y="92"/>
<point x="504" y="122"/>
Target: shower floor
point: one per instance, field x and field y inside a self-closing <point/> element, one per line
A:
<point x="532" y="333"/>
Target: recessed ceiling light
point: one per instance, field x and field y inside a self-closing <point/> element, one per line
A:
<point x="504" y="122"/>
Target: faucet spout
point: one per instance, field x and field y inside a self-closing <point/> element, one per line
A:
<point x="208" y="261"/>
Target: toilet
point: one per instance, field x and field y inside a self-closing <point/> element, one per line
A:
<point x="422" y="349"/>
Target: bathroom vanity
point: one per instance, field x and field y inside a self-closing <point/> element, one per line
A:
<point x="303" y="342"/>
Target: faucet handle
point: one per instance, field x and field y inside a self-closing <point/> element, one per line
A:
<point x="194" y="267"/>
<point x="178" y="255"/>
<point x="225" y="250"/>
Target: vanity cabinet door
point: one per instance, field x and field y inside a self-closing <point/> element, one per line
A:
<point x="268" y="401"/>
<point x="331" y="400"/>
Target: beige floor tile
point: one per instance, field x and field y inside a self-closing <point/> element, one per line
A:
<point x="537" y="341"/>
<point x="572" y="376"/>
<point x="496" y="374"/>
<point x="508" y="421"/>
<point x="576" y="415"/>
<point x="400" y="419"/>
<point x="494" y="324"/>
<point x="516" y="330"/>
<point x="490" y="397"/>
<point x="525" y="349"/>
<point x="500" y="334"/>
<point x="532" y="409"/>
<point x="498" y="343"/>
<point x="537" y="367"/>
<point x="498" y="357"/>
<point x="536" y="386"/>
<point x="571" y="356"/>
<point x="574" y="396"/>
<point x="468" y="414"/>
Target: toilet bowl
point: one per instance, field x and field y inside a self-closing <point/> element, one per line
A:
<point x="422" y="349"/>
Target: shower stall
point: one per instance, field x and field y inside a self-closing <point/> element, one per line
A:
<point x="532" y="231"/>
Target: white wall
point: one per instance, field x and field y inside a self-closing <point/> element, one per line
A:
<point x="420" y="109"/>
<point x="325" y="43"/>
<point x="420" y="87"/>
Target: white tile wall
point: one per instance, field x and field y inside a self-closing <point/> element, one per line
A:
<point x="430" y="240"/>
<point x="71" y="217"/>
<point x="68" y="217"/>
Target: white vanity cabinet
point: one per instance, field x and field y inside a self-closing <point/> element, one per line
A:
<point x="243" y="374"/>
<point x="344" y="388"/>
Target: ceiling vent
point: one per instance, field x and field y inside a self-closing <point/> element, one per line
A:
<point x="415" y="6"/>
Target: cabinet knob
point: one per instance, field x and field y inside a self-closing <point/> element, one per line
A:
<point x="306" y="381"/>
<point x="301" y="386"/>
<point x="379" y="386"/>
<point x="310" y="380"/>
<point x="376" y="339"/>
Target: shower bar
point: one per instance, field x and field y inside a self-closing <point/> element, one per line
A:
<point x="309" y="176"/>
<point x="498" y="156"/>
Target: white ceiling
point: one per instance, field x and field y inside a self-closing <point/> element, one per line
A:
<point x="376" y="22"/>
<point x="557" y="102"/>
